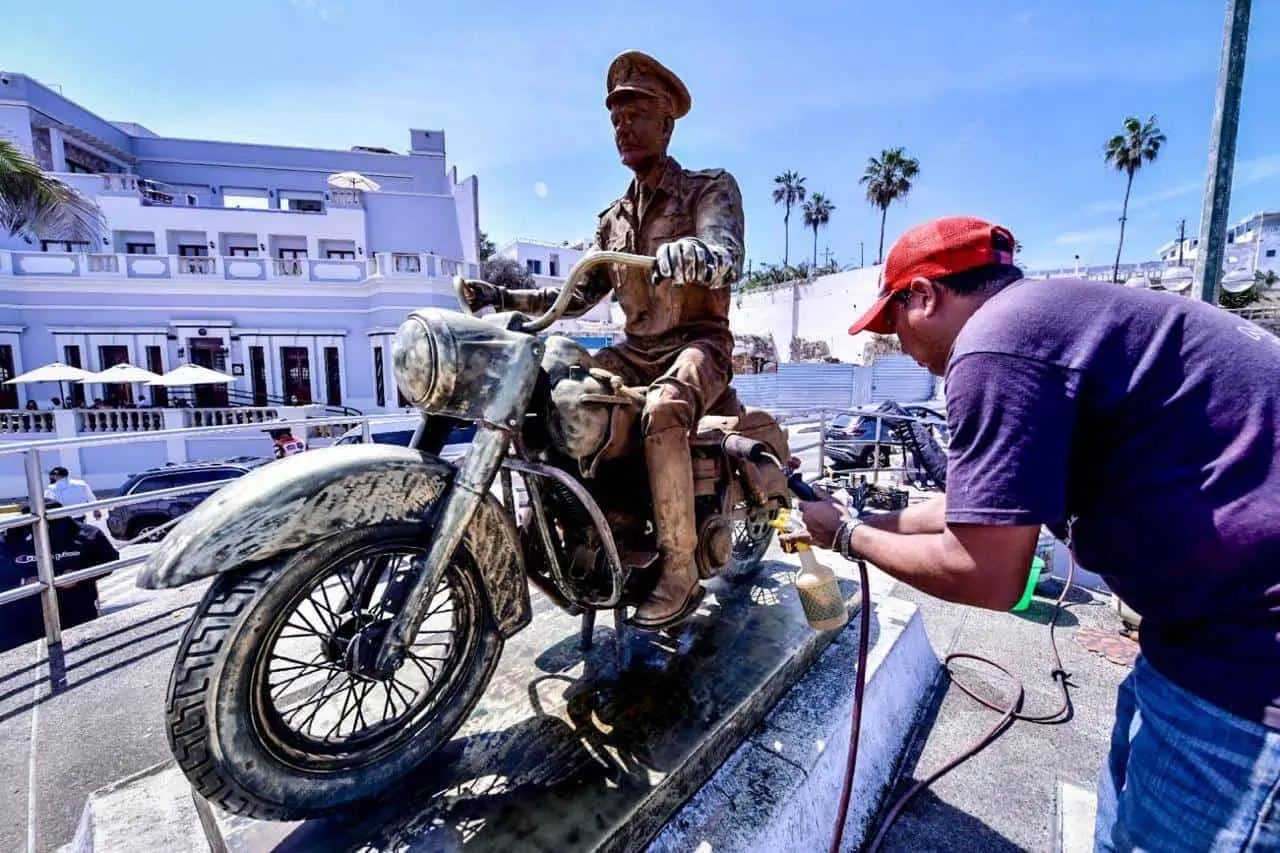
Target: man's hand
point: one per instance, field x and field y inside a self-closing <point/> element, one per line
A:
<point x="822" y="519"/>
<point x="478" y="294"/>
<point x="686" y="261"/>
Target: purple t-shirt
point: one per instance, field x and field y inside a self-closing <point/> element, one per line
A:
<point x="1151" y="423"/>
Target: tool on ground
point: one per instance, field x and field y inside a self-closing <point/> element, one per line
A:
<point x="816" y="584"/>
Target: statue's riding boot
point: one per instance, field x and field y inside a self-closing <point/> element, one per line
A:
<point x="678" y="593"/>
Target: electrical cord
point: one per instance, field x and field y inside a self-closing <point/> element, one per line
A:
<point x="1009" y="714"/>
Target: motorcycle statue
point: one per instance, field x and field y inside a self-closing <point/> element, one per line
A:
<point x="362" y="594"/>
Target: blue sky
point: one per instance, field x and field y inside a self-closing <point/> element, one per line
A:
<point x="1007" y="105"/>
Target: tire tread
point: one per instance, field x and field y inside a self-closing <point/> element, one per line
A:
<point x="185" y="718"/>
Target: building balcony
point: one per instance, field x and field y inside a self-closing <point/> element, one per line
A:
<point x="73" y="265"/>
<point x="156" y="194"/>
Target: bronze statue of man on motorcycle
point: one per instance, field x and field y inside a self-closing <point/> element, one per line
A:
<point x="362" y="594"/>
<point x="678" y="341"/>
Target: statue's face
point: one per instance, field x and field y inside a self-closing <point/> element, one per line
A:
<point x="641" y="130"/>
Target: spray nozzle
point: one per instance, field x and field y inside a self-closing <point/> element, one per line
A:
<point x="786" y="524"/>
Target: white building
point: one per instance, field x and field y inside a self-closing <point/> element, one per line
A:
<point x="1253" y="244"/>
<point x="543" y="259"/>
<point x="549" y="263"/>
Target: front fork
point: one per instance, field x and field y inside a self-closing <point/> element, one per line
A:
<point x="448" y="524"/>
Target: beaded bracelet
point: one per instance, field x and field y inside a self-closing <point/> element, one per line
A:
<point x="844" y="537"/>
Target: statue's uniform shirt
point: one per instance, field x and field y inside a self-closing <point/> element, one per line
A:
<point x="677" y="335"/>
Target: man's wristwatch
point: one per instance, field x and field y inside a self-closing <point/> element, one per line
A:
<point x="844" y="537"/>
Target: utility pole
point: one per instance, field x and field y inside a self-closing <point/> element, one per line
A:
<point x="1182" y="238"/>
<point x="862" y="256"/>
<point x="826" y="256"/>
<point x="1222" y="153"/>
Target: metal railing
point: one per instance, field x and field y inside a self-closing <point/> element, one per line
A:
<point x="39" y="515"/>
<point x="821" y="418"/>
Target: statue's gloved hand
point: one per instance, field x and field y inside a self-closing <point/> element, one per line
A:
<point x="478" y="294"/>
<point x="690" y="261"/>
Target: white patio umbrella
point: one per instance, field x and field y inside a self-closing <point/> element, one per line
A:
<point x="1237" y="281"/>
<point x="55" y="372"/>
<point x="192" y="374"/>
<point x="353" y="181"/>
<point x="121" y="374"/>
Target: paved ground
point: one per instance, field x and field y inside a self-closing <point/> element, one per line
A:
<point x="1004" y="798"/>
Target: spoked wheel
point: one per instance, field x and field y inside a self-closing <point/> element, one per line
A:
<point x="752" y="534"/>
<point x="269" y="713"/>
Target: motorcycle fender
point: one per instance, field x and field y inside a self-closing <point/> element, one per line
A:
<point x="296" y="501"/>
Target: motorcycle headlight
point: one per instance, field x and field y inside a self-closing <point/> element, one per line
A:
<point x="419" y="355"/>
<point x="449" y="363"/>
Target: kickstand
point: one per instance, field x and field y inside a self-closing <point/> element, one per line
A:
<point x="213" y="835"/>
<point x="621" y="646"/>
<point x="588" y="629"/>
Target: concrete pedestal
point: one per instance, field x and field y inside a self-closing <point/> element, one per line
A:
<point x="690" y="744"/>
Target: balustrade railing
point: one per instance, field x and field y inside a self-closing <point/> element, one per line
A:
<point x="27" y="422"/>
<point x="120" y="420"/>
<point x="288" y="267"/>
<point x="232" y="415"/>
<point x="196" y="265"/>
<point x="104" y="263"/>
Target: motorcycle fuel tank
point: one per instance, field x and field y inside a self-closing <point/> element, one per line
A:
<point x="449" y="363"/>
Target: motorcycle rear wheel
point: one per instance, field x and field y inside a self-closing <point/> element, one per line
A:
<point x="241" y="750"/>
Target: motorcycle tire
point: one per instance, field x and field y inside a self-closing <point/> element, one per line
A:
<point x="232" y="747"/>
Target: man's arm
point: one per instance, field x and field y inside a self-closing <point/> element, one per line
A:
<point x="979" y="565"/>
<point x="928" y="516"/>
<point x="1012" y="420"/>
<point x="88" y="490"/>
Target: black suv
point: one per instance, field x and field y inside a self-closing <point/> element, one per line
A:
<point x="134" y="520"/>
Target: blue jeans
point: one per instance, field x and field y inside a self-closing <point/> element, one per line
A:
<point x="1183" y="774"/>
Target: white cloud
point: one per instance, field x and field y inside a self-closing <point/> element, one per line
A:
<point x="325" y="10"/>
<point x="1080" y="238"/>
<point x="540" y="189"/>
<point x="1254" y="170"/>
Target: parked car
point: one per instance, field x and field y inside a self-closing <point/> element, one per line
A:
<point x="136" y="520"/>
<point x="852" y="435"/>
<point x="400" y="431"/>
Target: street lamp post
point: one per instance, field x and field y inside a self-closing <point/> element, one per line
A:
<point x="1222" y="152"/>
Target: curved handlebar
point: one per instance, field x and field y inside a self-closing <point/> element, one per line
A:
<point x="575" y="277"/>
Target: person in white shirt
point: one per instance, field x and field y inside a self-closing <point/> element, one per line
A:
<point x="69" y="491"/>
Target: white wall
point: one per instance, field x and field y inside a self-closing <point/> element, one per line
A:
<point x="827" y="306"/>
<point x="524" y="251"/>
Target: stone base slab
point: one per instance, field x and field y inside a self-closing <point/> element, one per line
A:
<point x="565" y="753"/>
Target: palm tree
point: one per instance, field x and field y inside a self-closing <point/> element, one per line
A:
<point x="789" y="190"/>
<point x="32" y="202"/>
<point x="817" y="213"/>
<point x="1140" y="143"/>
<point x="888" y="178"/>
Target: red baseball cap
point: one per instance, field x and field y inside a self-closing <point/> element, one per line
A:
<point x="938" y="248"/>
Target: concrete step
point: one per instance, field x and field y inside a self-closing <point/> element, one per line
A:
<point x="1076" y="813"/>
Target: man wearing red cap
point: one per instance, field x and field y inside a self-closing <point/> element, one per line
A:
<point x="1144" y="430"/>
<point x="678" y="340"/>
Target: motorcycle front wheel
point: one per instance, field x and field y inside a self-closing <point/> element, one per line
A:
<point x="265" y="717"/>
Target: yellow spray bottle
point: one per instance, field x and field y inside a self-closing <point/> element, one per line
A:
<point x="817" y="585"/>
